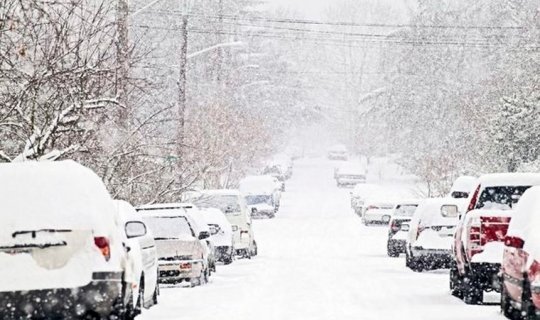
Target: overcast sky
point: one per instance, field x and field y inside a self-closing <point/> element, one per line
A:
<point x="315" y="8"/>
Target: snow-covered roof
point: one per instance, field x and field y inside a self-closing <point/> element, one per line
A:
<point x="222" y="192"/>
<point x="464" y="184"/>
<point x="214" y="216"/>
<point x="163" y="210"/>
<point x="126" y="211"/>
<point x="510" y="179"/>
<point x="54" y="195"/>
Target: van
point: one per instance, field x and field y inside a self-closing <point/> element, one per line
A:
<point x="233" y="204"/>
<point x="58" y="224"/>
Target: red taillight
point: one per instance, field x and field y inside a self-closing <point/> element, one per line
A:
<point x="394" y="227"/>
<point x="475" y="236"/>
<point x="514" y="242"/>
<point x="185" y="265"/>
<point x="474" y="199"/>
<point x="104" y="246"/>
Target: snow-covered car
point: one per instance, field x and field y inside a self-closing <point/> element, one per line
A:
<point x="61" y="253"/>
<point x="520" y="270"/>
<point x="141" y="257"/>
<point x="399" y="226"/>
<point x="278" y="172"/>
<point x="233" y="204"/>
<point x="463" y="187"/>
<point x="377" y="211"/>
<point x="478" y="248"/>
<point x="361" y="193"/>
<point x="200" y="225"/>
<point x="284" y="162"/>
<point x="261" y="195"/>
<point x="431" y="231"/>
<point x="350" y="174"/>
<point x="338" y="152"/>
<point x="181" y="255"/>
<point x="221" y="233"/>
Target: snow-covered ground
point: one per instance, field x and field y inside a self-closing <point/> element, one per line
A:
<point x="316" y="261"/>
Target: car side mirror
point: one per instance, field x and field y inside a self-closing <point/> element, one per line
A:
<point x="135" y="229"/>
<point x="405" y="227"/>
<point x="450" y="211"/>
<point x="514" y="242"/>
<point x="254" y="210"/>
<point x="204" y="235"/>
<point x="234" y="228"/>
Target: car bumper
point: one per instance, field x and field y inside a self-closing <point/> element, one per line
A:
<point x="487" y="275"/>
<point x="376" y="218"/>
<point x="175" y="271"/>
<point x="436" y="258"/>
<point x="350" y="182"/>
<point x="102" y="296"/>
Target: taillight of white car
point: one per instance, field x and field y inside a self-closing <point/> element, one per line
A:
<point x="474" y="241"/>
<point x="104" y="246"/>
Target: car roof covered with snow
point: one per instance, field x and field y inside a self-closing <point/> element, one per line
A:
<point x="214" y="216"/>
<point x="163" y="210"/>
<point x="54" y="195"/>
<point x="464" y="184"/>
<point x="509" y="179"/>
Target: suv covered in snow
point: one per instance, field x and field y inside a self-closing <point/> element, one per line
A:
<point x="431" y="232"/>
<point x="61" y="253"/>
<point x="350" y="174"/>
<point x="338" y="152"/>
<point x="478" y="242"/>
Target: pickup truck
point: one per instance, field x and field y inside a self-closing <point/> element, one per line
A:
<point x="479" y="238"/>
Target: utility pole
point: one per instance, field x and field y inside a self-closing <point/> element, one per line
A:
<point x="182" y="82"/>
<point x="219" y="62"/>
<point x="122" y="56"/>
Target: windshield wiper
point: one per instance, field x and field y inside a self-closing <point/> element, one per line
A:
<point x="34" y="246"/>
<point x="35" y="232"/>
<point x="165" y="238"/>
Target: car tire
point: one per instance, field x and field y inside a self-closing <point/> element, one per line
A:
<point x="506" y="307"/>
<point x="455" y="281"/>
<point x="391" y="251"/>
<point x="472" y="292"/>
<point x="255" y="249"/>
<point x="155" y="295"/>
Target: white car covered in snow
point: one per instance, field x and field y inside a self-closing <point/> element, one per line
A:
<point x="350" y="174"/>
<point x="338" y="152"/>
<point x="431" y="232"/>
<point x="378" y="211"/>
<point x="233" y="204"/>
<point x="261" y="194"/>
<point x="61" y="253"/>
<point x="361" y="193"/>
<point x="222" y="234"/>
<point x="142" y="256"/>
<point x="463" y="187"/>
<point x="399" y="226"/>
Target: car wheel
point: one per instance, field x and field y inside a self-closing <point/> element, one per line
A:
<point x="472" y="292"/>
<point x="140" y="300"/>
<point x="255" y="249"/>
<point x="506" y="307"/>
<point x="455" y="281"/>
<point x="391" y="251"/>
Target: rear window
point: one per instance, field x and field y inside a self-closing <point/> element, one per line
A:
<point x="169" y="227"/>
<point x="405" y="210"/>
<point x="500" y="198"/>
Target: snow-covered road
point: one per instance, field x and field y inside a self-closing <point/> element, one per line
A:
<point x="317" y="261"/>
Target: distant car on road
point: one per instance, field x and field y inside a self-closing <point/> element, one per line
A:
<point x="399" y="226"/>
<point x="377" y="211"/>
<point x="338" y="152"/>
<point x="350" y="174"/>
<point x="181" y="254"/>
<point x="361" y="193"/>
<point x="431" y="231"/>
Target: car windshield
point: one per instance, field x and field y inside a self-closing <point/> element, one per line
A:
<point x="405" y="210"/>
<point x="501" y="198"/>
<point x="259" y="199"/>
<point x="226" y="203"/>
<point x="169" y="227"/>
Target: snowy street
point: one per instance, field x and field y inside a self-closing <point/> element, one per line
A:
<point x="317" y="261"/>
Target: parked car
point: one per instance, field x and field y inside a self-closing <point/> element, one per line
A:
<point x="338" y="152"/>
<point x="431" y="231"/>
<point x="463" y="186"/>
<point x="61" y="253"/>
<point x="200" y="225"/>
<point x="361" y="193"/>
<point x="399" y="226"/>
<point x="520" y="271"/>
<point x="350" y="174"/>
<point x="142" y="257"/>
<point x="478" y="240"/>
<point x="377" y="211"/>
<point x="181" y="254"/>
<point x="222" y="234"/>
<point x="233" y="204"/>
<point x="261" y="195"/>
<point x="278" y="172"/>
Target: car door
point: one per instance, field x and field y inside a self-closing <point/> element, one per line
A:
<point x="150" y="265"/>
